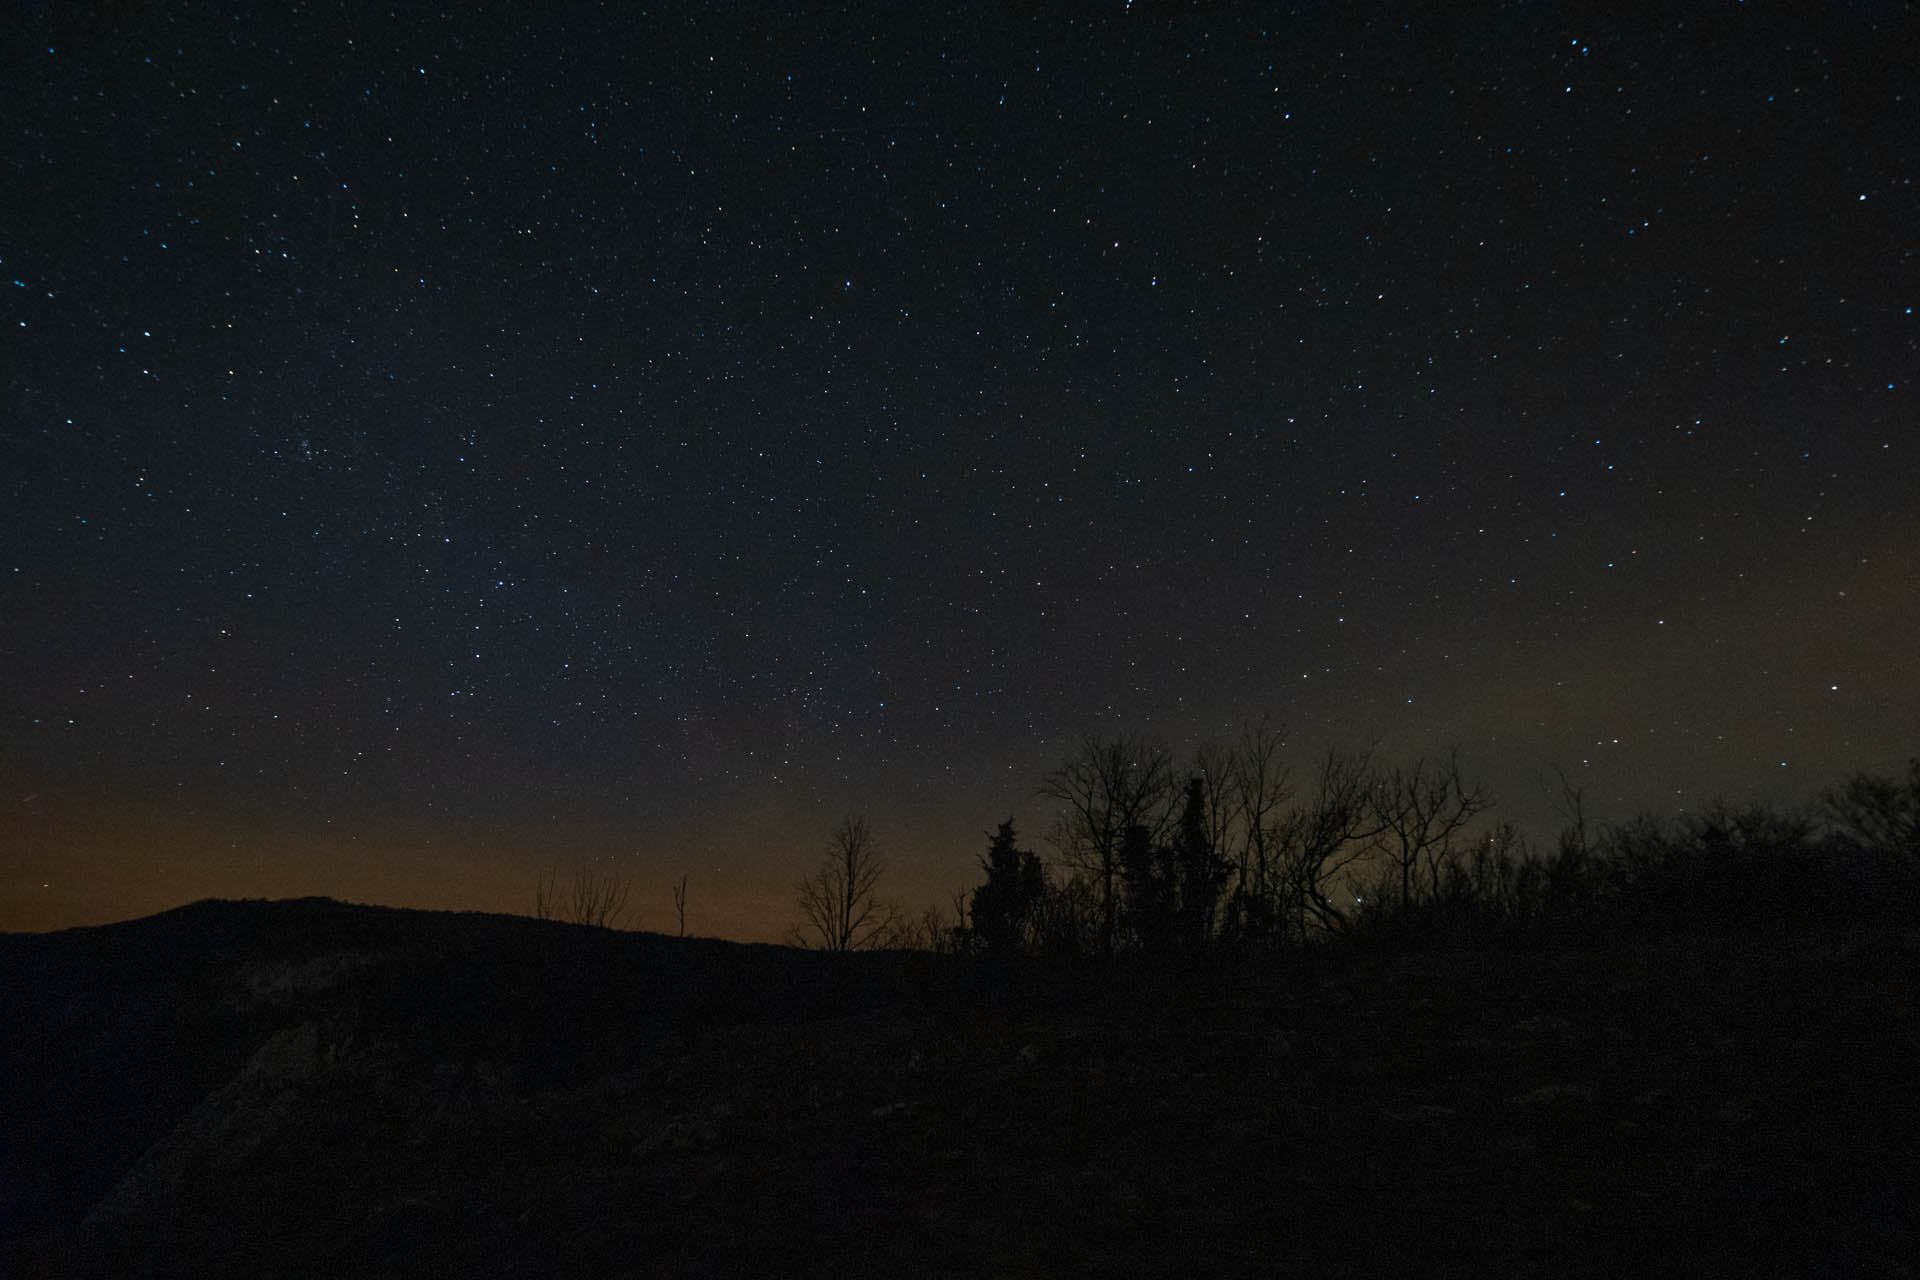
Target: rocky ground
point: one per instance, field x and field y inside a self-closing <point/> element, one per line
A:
<point x="314" y="1089"/>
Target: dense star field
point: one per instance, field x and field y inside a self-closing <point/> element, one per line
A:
<point x="444" y="445"/>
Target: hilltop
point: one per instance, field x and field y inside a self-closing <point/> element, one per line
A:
<point x="315" y="1088"/>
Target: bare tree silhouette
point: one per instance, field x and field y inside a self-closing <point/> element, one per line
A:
<point x="1108" y="789"/>
<point x="838" y="902"/>
<point x="1317" y="842"/>
<point x="1422" y="813"/>
<point x="1250" y="784"/>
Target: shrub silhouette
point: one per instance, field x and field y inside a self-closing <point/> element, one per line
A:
<point x="591" y="897"/>
<point x="1876" y="817"/>
<point x="1753" y="870"/>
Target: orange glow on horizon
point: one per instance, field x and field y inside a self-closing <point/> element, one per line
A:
<point x="81" y="859"/>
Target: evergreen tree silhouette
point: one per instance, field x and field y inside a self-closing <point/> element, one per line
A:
<point x="1148" y="874"/>
<point x="1002" y="908"/>
<point x="1200" y="869"/>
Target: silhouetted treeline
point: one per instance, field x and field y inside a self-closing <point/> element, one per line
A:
<point x="1229" y="849"/>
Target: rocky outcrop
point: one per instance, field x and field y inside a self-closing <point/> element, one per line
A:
<point x="227" y="1127"/>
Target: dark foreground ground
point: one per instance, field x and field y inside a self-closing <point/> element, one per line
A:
<point x="309" y="1088"/>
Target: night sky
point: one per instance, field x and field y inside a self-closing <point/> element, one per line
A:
<point x="442" y="446"/>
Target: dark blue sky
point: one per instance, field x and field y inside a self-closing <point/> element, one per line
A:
<point x="582" y="431"/>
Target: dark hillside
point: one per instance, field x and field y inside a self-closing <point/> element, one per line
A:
<point x="115" y="1033"/>
<point x="307" y="1088"/>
